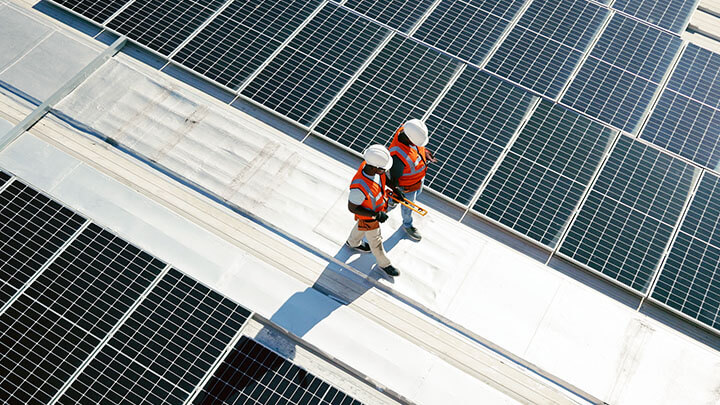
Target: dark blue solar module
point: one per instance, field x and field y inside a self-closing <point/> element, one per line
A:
<point x="467" y="28"/>
<point x="690" y="279"/>
<point x="541" y="180"/>
<point x="242" y="37"/>
<point x="469" y="129"/>
<point x="548" y="41"/>
<point x="253" y="374"/>
<point x="398" y="14"/>
<point x="672" y="15"/>
<point x="686" y="119"/>
<point x="32" y="229"/>
<point x="163" y="25"/>
<point x="622" y="73"/>
<point x="401" y="82"/>
<point x="312" y="69"/>
<point x="628" y="218"/>
<point x="164" y="349"/>
<point x="97" y="11"/>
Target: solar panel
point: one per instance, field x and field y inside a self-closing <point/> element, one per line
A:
<point x="620" y="76"/>
<point x="252" y="373"/>
<point x="163" y="25"/>
<point x="32" y="229"/>
<point x="98" y="11"/>
<point x="467" y="28"/>
<point x="164" y="349"/>
<point x="544" y="175"/>
<point x="4" y="178"/>
<point x="686" y="119"/>
<point x="312" y="69"/>
<point x="401" y="82"/>
<point x="54" y="325"/>
<point x="690" y="279"/>
<point x="242" y="37"/>
<point x="469" y="129"/>
<point x="672" y="15"/>
<point x="398" y="14"/>
<point x="547" y="43"/>
<point x="628" y="218"/>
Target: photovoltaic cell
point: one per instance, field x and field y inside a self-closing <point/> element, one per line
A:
<point x="467" y="28"/>
<point x="686" y="119"/>
<point x="541" y="180"/>
<point x="628" y="218"/>
<point x="165" y="347"/>
<point x="469" y="129"/>
<point x="672" y="15"/>
<point x="690" y="279"/>
<point x="32" y="228"/>
<point x="305" y="76"/>
<point x="163" y="25"/>
<point x="242" y="37"/>
<point x="542" y="50"/>
<point x="39" y="351"/>
<point x="398" y="14"/>
<point x="98" y="11"/>
<point x="401" y="83"/>
<point x="620" y="76"/>
<point x="252" y="373"/>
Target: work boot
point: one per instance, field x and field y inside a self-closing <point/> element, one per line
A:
<point x="413" y="233"/>
<point x="362" y="248"/>
<point x="391" y="271"/>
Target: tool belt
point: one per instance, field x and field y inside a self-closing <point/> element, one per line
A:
<point x="368" y="224"/>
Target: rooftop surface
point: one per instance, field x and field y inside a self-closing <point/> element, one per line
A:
<point x="246" y="204"/>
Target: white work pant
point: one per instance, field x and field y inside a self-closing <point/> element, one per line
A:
<point x="374" y="239"/>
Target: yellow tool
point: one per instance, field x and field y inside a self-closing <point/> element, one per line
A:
<point x="420" y="210"/>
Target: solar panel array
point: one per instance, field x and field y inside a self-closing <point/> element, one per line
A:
<point x="89" y="318"/>
<point x="565" y="172"/>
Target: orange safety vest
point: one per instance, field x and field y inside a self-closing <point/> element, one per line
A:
<point x="414" y="159"/>
<point x="375" y="194"/>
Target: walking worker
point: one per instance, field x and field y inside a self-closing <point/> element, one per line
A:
<point x="368" y="201"/>
<point x="409" y="166"/>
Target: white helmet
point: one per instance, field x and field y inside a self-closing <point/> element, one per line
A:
<point x="417" y="132"/>
<point x="378" y="156"/>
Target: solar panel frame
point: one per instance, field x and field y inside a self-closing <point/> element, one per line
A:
<point x="544" y="61"/>
<point x="617" y="205"/>
<point x="302" y="79"/>
<point x="93" y="10"/>
<point x="4" y="178"/>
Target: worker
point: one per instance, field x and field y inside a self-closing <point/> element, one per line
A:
<point x="408" y="169"/>
<point x="368" y="201"/>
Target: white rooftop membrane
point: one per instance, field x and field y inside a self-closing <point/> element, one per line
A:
<point x="563" y="327"/>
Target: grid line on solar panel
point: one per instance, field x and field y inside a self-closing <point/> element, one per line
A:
<point x="39" y="351"/>
<point x="244" y="35"/>
<point x="398" y="14"/>
<point x="403" y="81"/>
<point x="469" y="129"/>
<point x="467" y="29"/>
<point x="628" y="218"/>
<point x="163" y="25"/>
<point x="176" y="333"/>
<point x="543" y="48"/>
<point x="672" y="15"/>
<point x="618" y="80"/>
<point x="97" y="11"/>
<point x="315" y="65"/>
<point x="252" y="373"/>
<point x="545" y="173"/>
<point x="32" y="229"/>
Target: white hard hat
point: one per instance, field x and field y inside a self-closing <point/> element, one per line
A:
<point x="417" y="132"/>
<point x="378" y="156"/>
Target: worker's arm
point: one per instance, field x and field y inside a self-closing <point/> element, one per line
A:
<point x="359" y="210"/>
<point x="395" y="172"/>
<point x="430" y="156"/>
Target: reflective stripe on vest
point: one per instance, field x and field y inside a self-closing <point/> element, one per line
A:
<point x="375" y="199"/>
<point x="410" y="164"/>
<point x="413" y="172"/>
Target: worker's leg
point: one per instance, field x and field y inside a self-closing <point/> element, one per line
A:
<point x="374" y="238"/>
<point x="407" y="212"/>
<point x="356" y="236"/>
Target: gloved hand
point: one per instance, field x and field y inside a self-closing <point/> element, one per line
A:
<point x="381" y="216"/>
<point x="398" y="194"/>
